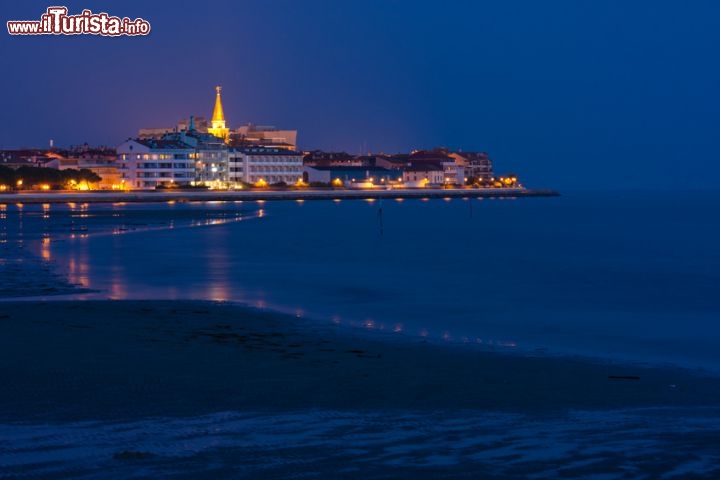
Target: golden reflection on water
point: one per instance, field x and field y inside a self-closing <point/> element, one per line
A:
<point x="118" y="283"/>
<point x="219" y="283"/>
<point x="79" y="266"/>
<point x="218" y="269"/>
<point x="45" y="249"/>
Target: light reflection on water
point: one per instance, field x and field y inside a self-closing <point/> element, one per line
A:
<point x="581" y="275"/>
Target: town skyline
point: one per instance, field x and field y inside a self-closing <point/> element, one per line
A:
<point x="553" y="90"/>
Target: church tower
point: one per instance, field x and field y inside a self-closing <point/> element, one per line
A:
<point x="218" y="127"/>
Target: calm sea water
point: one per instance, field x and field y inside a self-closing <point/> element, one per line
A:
<point x="626" y="275"/>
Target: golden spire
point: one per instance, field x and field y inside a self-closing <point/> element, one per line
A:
<point x="218" y="115"/>
<point x="217" y="123"/>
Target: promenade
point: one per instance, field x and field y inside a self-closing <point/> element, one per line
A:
<point x="142" y="196"/>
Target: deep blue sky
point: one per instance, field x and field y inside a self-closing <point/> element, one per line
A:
<point x="565" y="93"/>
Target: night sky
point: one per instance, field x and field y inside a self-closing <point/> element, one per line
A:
<point x="565" y="93"/>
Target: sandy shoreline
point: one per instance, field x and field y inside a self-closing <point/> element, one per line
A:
<point x="90" y="360"/>
<point x="196" y="389"/>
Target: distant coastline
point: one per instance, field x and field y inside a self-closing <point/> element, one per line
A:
<point x="267" y="195"/>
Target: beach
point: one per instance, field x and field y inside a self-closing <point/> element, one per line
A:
<point x="175" y="358"/>
<point x="78" y="373"/>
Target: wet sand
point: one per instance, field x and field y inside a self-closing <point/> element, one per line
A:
<point x="181" y="389"/>
<point x="90" y="360"/>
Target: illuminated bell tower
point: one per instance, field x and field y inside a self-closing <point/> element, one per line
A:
<point x="218" y="127"/>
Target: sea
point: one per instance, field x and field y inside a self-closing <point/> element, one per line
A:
<point x="625" y="275"/>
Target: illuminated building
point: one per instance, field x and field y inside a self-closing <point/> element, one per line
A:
<point x="452" y="165"/>
<point x="477" y="164"/>
<point x="453" y="173"/>
<point x="151" y="163"/>
<point x="259" y="165"/>
<point x="218" y="127"/>
<point x="423" y="175"/>
<point x="347" y="175"/>
<point x="100" y="160"/>
<point x="210" y="154"/>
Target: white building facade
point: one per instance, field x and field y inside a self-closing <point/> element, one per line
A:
<point x="453" y="173"/>
<point x="267" y="165"/>
<point x="418" y="176"/>
<point x="146" y="164"/>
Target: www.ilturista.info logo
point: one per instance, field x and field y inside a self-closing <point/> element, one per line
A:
<point x="57" y="22"/>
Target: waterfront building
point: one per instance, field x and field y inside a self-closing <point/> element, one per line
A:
<point x="453" y="174"/>
<point x="455" y="166"/>
<point x="264" y="165"/>
<point x="209" y="152"/>
<point x="347" y="176"/>
<point x="423" y="175"/>
<point x="477" y="165"/>
<point x="151" y="163"/>
<point x="102" y="161"/>
<point x="393" y="162"/>
<point x="320" y="158"/>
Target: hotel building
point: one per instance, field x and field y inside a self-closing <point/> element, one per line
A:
<point x="151" y="163"/>
<point x="264" y="165"/>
